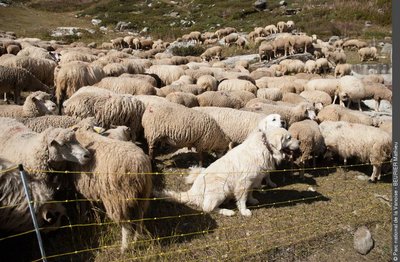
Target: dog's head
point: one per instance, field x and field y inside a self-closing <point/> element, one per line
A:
<point x="270" y="121"/>
<point x="282" y="142"/>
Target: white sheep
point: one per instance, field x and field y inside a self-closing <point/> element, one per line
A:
<point x="127" y="85"/>
<point x="340" y="113"/>
<point x="237" y="84"/>
<point x="323" y="84"/>
<point x="36" y="104"/>
<point x="186" y="99"/>
<point x="316" y="96"/>
<point x="271" y="29"/>
<point x="39" y="153"/>
<point x="274" y="94"/>
<point x="322" y="65"/>
<point x="14" y="214"/>
<point x="167" y="73"/>
<point x="291" y="66"/>
<point x="342" y="70"/>
<point x="350" y="89"/>
<point x="219" y="99"/>
<point x="214" y="52"/>
<point x="310" y="66"/>
<point x="180" y="127"/>
<point x="266" y="51"/>
<point x="15" y="80"/>
<point x="207" y="83"/>
<point x="366" y="143"/>
<point x="378" y="92"/>
<point x="367" y="53"/>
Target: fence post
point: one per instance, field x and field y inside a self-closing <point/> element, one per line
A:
<point x="32" y="211"/>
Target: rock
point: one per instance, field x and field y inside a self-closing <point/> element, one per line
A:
<point x="333" y="39"/>
<point x="96" y="21"/>
<point x="92" y="45"/>
<point x="363" y="242"/>
<point x="260" y="4"/>
<point x="121" y="26"/>
<point x="386" y="48"/>
<point x="282" y="3"/>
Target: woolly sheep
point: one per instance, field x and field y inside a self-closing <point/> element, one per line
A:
<point x="271" y="29"/>
<point x="71" y="56"/>
<point x="266" y="51"/>
<point x="114" y="69"/>
<point x="336" y="57"/>
<point x="180" y="127"/>
<point x="291" y="66"/>
<point x="184" y="80"/>
<point x="322" y="65"/>
<point x="339" y="113"/>
<point x="214" y="52"/>
<point x="316" y="96"/>
<point x="327" y="85"/>
<point x="281" y="25"/>
<point x="193" y="89"/>
<point x="386" y="126"/>
<point x="36" y="104"/>
<point x="18" y="79"/>
<point x="245" y="96"/>
<point x="127" y="85"/>
<point x="207" y="83"/>
<point x="290" y="114"/>
<point x="373" y="78"/>
<point x="219" y="99"/>
<point x="302" y="42"/>
<point x="366" y="143"/>
<point x="41" y="123"/>
<point x="121" y="133"/>
<point x="354" y="43"/>
<point x="293" y="98"/>
<point x="237" y="84"/>
<point x="72" y="76"/>
<point x="342" y="70"/>
<point x="273" y="94"/>
<point x="230" y="39"/>
<point x="198" y="72"/>
<point x="108" y="110"/>
<point x="186" y="99"/>
<point x="310" y="66"/>
<point x="39" y="152"/>
<point x="367" y="53"/>
<point x="377" y="92"/>
<point x="350" y="88"/>
<point x="14" y="214"/>
<point x="311" y="141"/>
<point x="35" y="52"/>
<point x="167" y="73"/>
<point x="122" y="185"/>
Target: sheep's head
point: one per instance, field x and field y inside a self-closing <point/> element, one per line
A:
<point x="39" y="104"/>
<point x="50" y="216"/>
<point x="308" y="110"/>
<point x="63" y="146"/>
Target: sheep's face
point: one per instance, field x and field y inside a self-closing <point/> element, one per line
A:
<point x="51" y="216"/>
<point x="64" y="147"/>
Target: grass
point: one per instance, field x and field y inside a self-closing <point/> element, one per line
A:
<point x="291" y="223"/>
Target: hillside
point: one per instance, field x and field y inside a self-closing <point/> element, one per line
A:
<point x="169" y="19"/>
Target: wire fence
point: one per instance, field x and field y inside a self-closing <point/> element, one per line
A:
<point x="286" y="235"/>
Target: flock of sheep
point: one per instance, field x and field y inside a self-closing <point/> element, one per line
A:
<point x="116" y="106"/>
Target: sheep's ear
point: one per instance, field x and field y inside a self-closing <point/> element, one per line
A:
<point x="75" y="128"/>
<point x="34" y="99"/>
<point x="54" y="142"/>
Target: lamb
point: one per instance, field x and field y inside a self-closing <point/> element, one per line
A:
<point x="290" y="114"/>
<point x="316" y="96"/>
<point x="14" y="214"/>
<point x="311" y="141"/>
<point x="367" y="53"/>
<point x="342" y="70"/>
<point x="42" y="69"/>
<point x="167" y="73"/>
<point x="236" y="124"/>
<point x="42" y="152"/>
<point x="36" y="104"/>
<point x="274" y="94"/>
<point x="123" y="184"/>
<point x="350" y="88"/>
<point x="366" y="143"/>
<point x="214" y="52"/>
<point x="339" y="113"/>
<point x="219" y="99"/>
<point x="237" y="84"/>
<point x="108" y="110"/>
<point x="377" y="92"/>
<point x="72" y="76"/>
<point x="170" y="123"/>
<point x="186" y="99"/>
<point x="17" y="79"/>
<point x="127" y="85"/>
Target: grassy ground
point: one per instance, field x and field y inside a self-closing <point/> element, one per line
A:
<point x="311" y="220"/>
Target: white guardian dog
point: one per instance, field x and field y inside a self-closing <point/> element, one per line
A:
<point x="238" y="171"/>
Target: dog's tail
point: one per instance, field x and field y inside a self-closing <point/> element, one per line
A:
<point x="170" y="195"/>
<point x="193" y="174"/>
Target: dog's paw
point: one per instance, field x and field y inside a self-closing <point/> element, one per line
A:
<point x="245" y="212"/>
<point x="227" y="212"/>
<point x="253" y="201"/>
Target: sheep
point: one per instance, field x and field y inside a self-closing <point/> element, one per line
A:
<point x="152" y="79"/>
<point x="342" y="70"/>
<point x="207" y="83"/>
<point x="237" y="84"/>
<point x="170" y="123"/>
<point x="327" y="85"/>
<point x="197" y="73"/>
<point x="266" y="51"/>
<point x="302" y="42"/>
<point x="184" y="80"/>
<point x="71" y="56"/>
<point x="36" y="104"/>
<point x="127" y="85"/>
<point x="114" y="69"/>
<point x="281" y="25"/>
<point x="118" y="43"/>
<point x="284" y="43"/>
<point x="293" y="98"/>
<point x="236" y="124"/>
<point x="121" y="133"/>
<point x="367" y="53"/>
<point x="354" y="43"/>
<point x="310" y="66"/>
<point x="322" y="65"/>
<point x="291" y="66"/>
<point x="350" y="88"/>
<point x="241" y="42"/>
<point x="41" y="123"/>
<point x="377" y="92"/>
<point x="311" y="141"/>
<point x="271" y="29"/>
<point x="214" y="52"/>
<point x="219" y="99"/>
<point x="107" y="109"/>
<point x="72" y="76"/>
<point x="122" y="185"/>
<point x="14" y="214"/>
<point x="167" y="73"/>
<point x="316" y="96"/>
<point x="36" y="52"/>
<point x="40" y="152"/>
<point x="339" y="113"/>
<point x="274" y="94"/>
<point x="290" y="114"/>
<point x="245" y="96"/>
<point x="386" y="126"/>
<point x="42" y="69"/>
<point x="193" y="89"/>
<point x="17" y="79"/>
<point x="373" y="78"/>
<point x="186" y="99"/>
<point x="13" y="49"/>
<point x="366" y="143"/>
<point x="336" y="57"/>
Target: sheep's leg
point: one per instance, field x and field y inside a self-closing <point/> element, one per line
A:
<point x="5" y="96"/>
<point x="376" y="173"/>
<point x="359" y="105"/>
<point x="334" y="99"/>
<point x="314" y="158"/>
<point x="126" y="235"/>
<point x="302" y="165"/>
<point x="17" y="98"/>
<point x="377" y="105"/>
<point x="201" y="158"/>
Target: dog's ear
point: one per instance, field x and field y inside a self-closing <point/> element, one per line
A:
<point x="277" y="141"/>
